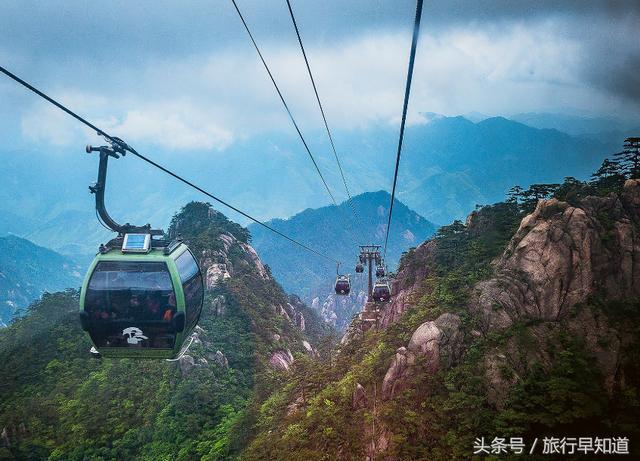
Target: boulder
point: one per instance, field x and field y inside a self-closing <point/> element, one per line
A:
<point x="219" y="359"/>
<point x="283" y="312"/>
<point x="359" y="397"/>
<point x="281" y="360"/>
<point x="215" y="274"/>
<point x="294" y="406"/>
<point x="300" y="323"/>
<point x="187" y="364"/>
<point x="397" y="374"/>
<point x="254" y="259"/>
<point x="4" y="437"/>
<point x="309" y="348"/>
<point x="218" y="306"/>
<point x="437" y="343"/>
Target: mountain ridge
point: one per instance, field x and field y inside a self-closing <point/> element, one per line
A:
<point x="27" y="271"/>
<point x="442" y="173"/>
<point x="323" y="229"/>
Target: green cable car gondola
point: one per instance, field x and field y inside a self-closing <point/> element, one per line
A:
<point x="141" y="305"/>
<point x="142" y="296"/>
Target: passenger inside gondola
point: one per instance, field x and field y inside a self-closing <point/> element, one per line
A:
<point x="131" y="294"/>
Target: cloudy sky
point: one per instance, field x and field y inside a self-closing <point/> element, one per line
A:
<point x="183" y="76"/>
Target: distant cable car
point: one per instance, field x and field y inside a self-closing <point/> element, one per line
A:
<point x="380" y="271"/>
<point x="359" y="268"/>
<point x="142" y="296"/>
<point x="343" y="283"/>
<point x="381" y="292"/>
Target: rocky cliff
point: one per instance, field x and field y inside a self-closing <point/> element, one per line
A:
<point x="524" y="321"/>
<point x="560" y="258"/>
<point x="561" y="255"/>
<point x="226" y="258"/>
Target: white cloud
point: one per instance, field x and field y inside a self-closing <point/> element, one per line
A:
<point x="205" y="102"/>
<point x="174" y="126"/>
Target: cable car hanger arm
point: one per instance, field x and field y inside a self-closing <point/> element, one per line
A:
<point x="115" y="150"/>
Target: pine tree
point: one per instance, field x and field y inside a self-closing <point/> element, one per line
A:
<point x="572" y="189"/>
<point x="629" y="158"/>
<point x="608" y="169"/>
<point x="537" y="192"/>
<point x="515" y="194"/>
<point x="609" y="177"/>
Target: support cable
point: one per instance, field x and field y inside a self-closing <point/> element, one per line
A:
<point x="125" y="146"/>
<point x="324" y="118"/>
<point x="284" y="102"/>
<point x="407" y="91"/>
<point x="286" y="106"/>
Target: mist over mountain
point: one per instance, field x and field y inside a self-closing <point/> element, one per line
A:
<point x="524" y="320"/>
<point x="28" y="270"/>
<point x="448" y="165"/>
<point x="505" y="321"/>
<point x="452" y="164"/>
<point x="573" y="125"/>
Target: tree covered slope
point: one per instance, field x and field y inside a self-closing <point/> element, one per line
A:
<point x="522" y="322"/>
<point x="56" y="402"/>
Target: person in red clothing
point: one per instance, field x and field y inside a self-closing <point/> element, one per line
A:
<point x="155" y="309"/>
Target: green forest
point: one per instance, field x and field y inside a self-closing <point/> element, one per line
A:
<point x="58" y="403"/>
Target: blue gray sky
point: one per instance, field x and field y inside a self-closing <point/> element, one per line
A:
<point x="182" y="76"/>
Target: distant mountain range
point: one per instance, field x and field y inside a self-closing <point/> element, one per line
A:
<point x="324" y="229"/>
<point x="452" y="164"/>
<point x="448" y="165"/>
<point x="577" y="126"/>
<point x="27" y="270"/>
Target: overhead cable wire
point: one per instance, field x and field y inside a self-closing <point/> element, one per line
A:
<point x="286" y="106"/>
<point x="324" y="118"/>
<point x="157" y="165"/>
<point x="284" y="102"/>
<point x="407" y="92"/>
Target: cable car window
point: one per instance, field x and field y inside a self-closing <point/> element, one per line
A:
<point x="187" y="266"/>
<point x="131" y="304"/>
<point x="191" y="285"/>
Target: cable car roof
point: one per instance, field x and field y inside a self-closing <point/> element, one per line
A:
<point x="115" y="253"/>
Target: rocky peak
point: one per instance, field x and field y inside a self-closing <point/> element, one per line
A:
<point x="434" y="341"/>
<point x="219" y="265"/>
<point x="561" y="255"/>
